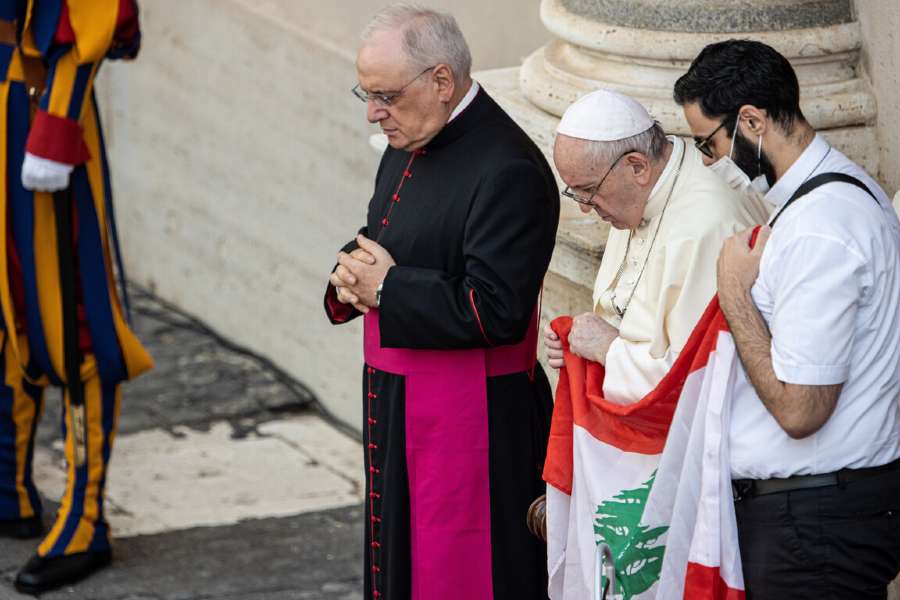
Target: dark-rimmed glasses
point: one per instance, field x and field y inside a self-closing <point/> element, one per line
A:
<point x="588" y="200"/>
<point x="384" y="98"/>
<point x="703" y="144"/>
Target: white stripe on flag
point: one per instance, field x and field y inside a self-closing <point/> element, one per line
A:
<point x="695" y="470"/>
<point x="601" y="473"/>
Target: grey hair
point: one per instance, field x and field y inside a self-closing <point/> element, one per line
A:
<point x="651" y="143"/>
<point x="429" y="37"/>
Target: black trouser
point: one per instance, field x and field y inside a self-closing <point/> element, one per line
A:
<point x="836" y="542"/>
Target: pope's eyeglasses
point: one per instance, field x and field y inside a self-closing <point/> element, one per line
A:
<point x="588" y="200"/>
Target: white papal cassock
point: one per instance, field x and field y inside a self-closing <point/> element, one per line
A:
<point x="663" y="274"/>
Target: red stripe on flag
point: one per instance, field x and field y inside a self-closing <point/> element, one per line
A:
<point x="706" y="583"/>
<point x="558" y="464"/>
<point x="640" y="427"/>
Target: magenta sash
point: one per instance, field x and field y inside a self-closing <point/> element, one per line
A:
<point x="447" y="458"/>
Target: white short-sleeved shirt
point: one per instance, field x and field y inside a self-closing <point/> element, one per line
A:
<point x="829" y="290"/>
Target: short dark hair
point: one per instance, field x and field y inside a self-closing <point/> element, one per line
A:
<point x="727" y="75"/>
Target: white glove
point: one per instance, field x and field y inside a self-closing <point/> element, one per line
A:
<point x="44" y="175"/>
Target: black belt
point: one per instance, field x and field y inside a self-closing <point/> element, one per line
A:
<point x="748" y="488"/>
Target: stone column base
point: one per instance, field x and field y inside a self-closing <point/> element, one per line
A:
<point x="581" y="237"/>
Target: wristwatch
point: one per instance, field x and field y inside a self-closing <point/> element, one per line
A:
<point x="378" y="294"/>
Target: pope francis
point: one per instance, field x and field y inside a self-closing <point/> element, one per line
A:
<point x="669" y="216"/>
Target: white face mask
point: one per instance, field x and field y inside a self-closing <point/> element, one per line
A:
<point x="736" y="179"/>
<point x="753" y="192"/>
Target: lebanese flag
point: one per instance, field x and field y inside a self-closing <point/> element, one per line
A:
<point x="651" y="479"/>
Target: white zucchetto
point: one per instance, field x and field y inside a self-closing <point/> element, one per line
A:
<point x="604" y="116"/>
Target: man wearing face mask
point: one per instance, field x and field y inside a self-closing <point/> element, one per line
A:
<point x="814" y="310"/>
<point x="753" y="191"/>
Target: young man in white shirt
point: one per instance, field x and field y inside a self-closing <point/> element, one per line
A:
<point x="814" y="309"/>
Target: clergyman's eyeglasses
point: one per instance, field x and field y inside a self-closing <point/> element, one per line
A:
<point x="384" y="98"/>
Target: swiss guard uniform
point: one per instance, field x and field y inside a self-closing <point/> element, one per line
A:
<point x="62" y="320"/>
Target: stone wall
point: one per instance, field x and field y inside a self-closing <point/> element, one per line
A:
<point x="241" y="164"/>
<point x="880" y="23"/>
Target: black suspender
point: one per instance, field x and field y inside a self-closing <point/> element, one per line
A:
<point x="820" y="180"/>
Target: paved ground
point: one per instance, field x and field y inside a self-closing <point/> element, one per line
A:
<point x="226" y="482"/>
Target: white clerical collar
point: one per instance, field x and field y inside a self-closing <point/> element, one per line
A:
<point x="656" y="199"/>
<point x="466" y="101"/>
<point x="804" y="167"/>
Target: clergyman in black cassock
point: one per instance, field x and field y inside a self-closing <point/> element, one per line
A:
<point x="470" y="219"/>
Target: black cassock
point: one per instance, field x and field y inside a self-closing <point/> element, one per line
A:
<point x="471" y="222"/>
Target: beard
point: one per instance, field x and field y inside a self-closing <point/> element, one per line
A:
<point x="745" y="158"/>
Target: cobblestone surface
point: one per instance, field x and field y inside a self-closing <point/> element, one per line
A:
<point x="313" y="556"/>
<point x="200" y="380"/>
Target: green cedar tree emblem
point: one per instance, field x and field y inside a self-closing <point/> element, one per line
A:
<point x="638" y="559"/>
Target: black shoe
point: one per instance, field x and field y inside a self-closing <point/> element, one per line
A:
<point x="43" y="574"/>
<point x="21" y="529"/>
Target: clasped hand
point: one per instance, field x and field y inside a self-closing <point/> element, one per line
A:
<point x="590" y="338"/>
<point x="359" y="273"/>
<point x="738" y="267"/>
